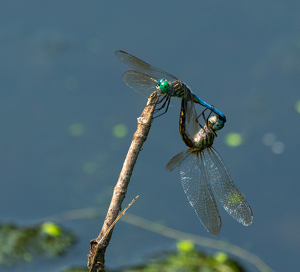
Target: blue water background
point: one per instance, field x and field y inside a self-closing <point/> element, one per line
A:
<point x="58" y="69"/>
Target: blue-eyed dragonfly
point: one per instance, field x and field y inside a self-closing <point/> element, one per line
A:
<point x="203" y="173"/>
<point x="145" y="79"/>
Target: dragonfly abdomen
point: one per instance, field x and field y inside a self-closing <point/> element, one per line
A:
<point x="204" y="138"/>
<point x="188" y="140"/>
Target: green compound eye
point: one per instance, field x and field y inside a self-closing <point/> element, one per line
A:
<point x="163" y="86"/>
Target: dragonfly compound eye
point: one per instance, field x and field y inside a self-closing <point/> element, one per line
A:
<point x="163" y="86"/>
<point x="216" y="123"/>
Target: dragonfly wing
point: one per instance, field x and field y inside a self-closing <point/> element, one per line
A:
<point x="178" y="159"/>
<point x="144" y="84"/>
<point x="196" y="186"/>
<point x="141" y="66"/>
<point x="140" y="82"/>
<point x="227" y="193"/>
<point x="191" y="124"/>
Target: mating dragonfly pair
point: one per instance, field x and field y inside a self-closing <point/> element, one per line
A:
<point x="203" y="173"/>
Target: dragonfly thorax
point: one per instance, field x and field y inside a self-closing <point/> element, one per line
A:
<point x="206" y="135"/>
<point x="204" y="138"/>
<point x="163" y="86"/>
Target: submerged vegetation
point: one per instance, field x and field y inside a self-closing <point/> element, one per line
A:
<point x="188" y="259"/>
<point x="24" y="243"/>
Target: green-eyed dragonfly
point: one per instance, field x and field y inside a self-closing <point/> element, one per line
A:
<point x="203" y="173"/>
<point x="145" y="79"/>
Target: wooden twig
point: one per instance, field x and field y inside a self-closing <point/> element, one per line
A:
<point x="116" y="220"/>
<point x="97" y="250"/>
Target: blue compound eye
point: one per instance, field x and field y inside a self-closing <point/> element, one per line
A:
<point x="218" y="125"/>
<point x="163" y="86"/>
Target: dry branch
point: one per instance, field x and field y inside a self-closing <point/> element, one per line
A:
<point x="97" y="251"/>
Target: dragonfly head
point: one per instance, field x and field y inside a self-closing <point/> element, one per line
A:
<point x="215" y="123"/>
<point x="163" y="86"/>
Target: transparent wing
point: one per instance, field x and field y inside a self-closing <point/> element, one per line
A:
<point x="225" y="190"/>
<point x="144" y="84"/>
<point x="140" y="82"/>
<point x="191" y="124"/>
<point x="141" y="66"/>
<point x="178" y="159"/>
<point x="196" y="186"/>
<point x="145" y="68"/>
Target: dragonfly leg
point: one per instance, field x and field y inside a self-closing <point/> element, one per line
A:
<point x="160" y="101"/>
<point x="211" y="111"/>
<point x="202" y="113"/>
<point x="166" y="102"/>
<point x="205" y="120"/>
<point x="217" y="113"/>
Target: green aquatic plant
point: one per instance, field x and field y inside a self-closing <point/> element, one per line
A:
<point x="25" y="243"/>
<point x="188" y="259"/>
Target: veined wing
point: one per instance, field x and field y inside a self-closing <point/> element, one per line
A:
<point x="140" y="82"/>
<point x="196" y="186"/>
<point x="141" y="66"/>
<point x="227" y="193"/>
<point x="177" y="160"/>
<point x="145" y="68"/>
<point x="144" y="84"/>
<point x="192" y="126"/>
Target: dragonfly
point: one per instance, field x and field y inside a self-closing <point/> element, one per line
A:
<point x="203" y="172"/>
<point x="145" y="79"/>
